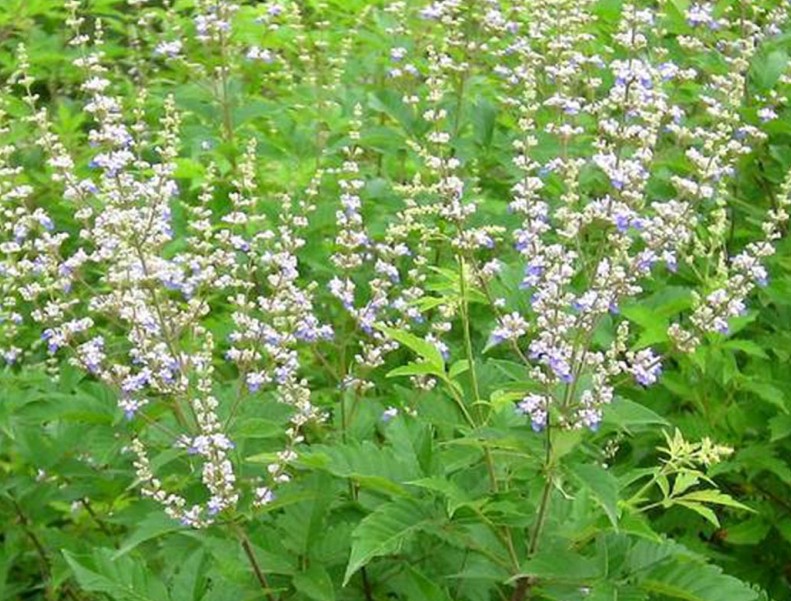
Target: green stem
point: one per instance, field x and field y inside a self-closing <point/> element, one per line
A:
<point x="225" y="103"/>
<point x="505" y="535"/>
<point x="632" y="502"/>
<point x="635" y="498"/>
<point x="465" y="318"/>
<point x="353" y="491"/>
<point x="460" y="403"/>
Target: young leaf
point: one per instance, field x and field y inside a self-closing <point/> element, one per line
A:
<point x="415" y="369"/>
<point x="424" y="349"/>
<point x="458" y="368"/>
<point x="714" y="497"/>
<point x="702" y="510"/>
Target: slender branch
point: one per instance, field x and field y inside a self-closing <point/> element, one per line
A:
<point x="366" y="585"/>
<point x="353" y="492"/>
<point x="465" y="317"/>
<point x="524" y="584"/>
<point x="251" y="558"/>
<point x="41" y="552"/>
<point x="462" y="407"/>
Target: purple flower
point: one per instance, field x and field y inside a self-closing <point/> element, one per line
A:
<point x="389" y="414"/>
<point x="622" y="222"/>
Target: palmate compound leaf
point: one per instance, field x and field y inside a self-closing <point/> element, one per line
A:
<point x="385" y="531"/>
<point x="668" y="570"/>
<point x="660" y="570"/>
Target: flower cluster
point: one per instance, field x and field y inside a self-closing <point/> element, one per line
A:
<point x="195" y="297"/>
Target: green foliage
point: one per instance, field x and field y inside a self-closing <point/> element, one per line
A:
<point x="453" y="496"/>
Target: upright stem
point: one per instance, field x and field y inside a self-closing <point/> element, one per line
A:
<point x="366" y="584"/>
<point x="541" y="516"/>
<point x="46" y="576"/>
<point x="225" y="101"/>
<point x="251" y="558"/>
<point x="227" y="118"/>
<point x="490" y="468"/>
<point x="353" y="492"/>
<point x="462" y="406"/>
<point x="465" y="318"/>
<point x="367" y="590"/>
<point x="525" y="583"/>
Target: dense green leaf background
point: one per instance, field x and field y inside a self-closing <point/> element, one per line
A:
<point x="402" y="509"/>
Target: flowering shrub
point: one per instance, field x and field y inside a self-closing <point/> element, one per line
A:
<point x="367" y="300"/>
